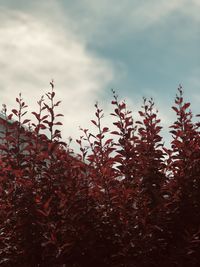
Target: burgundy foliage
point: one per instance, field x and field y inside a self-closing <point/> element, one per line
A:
<point x="125" y="200"/>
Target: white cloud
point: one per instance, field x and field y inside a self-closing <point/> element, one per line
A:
<point x="35" y="50"/>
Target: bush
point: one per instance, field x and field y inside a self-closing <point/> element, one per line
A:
<point x="125" y="200"/>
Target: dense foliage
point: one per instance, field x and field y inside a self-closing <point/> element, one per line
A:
<point x="125" y="200"/>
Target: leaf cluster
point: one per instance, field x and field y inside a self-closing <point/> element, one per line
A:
<point x="124" y="200"/>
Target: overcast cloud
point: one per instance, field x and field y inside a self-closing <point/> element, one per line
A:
<point x="33" y="51"/>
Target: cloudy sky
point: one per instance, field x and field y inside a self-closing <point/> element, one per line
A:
<point x="139" y="48"/>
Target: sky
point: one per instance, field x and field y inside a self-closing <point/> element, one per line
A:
<point x="88" y="47"/>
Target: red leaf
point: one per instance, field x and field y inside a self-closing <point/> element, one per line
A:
<point x="108" y="141"/>
<point x="117" y="111"/>
<point x="139" y="122"/>
<point x="105" y="129"/>
<point x="141" y="113"/>
<point x="122" y="106"/>
<point x="25" y="121"/>
<point x="55" y="105"/>
<point x="58" y="123"/>
<point x="44" y="117"/>
<point x="10" y="116"/>
<point x="36" y="115"/>
<point x="185" y="106"/>
<point x="115" y="132"/>
<point x="37" y="199"/>
<point x="175" y="109"/>
<point x="46" y="205"/>
<point x="42" y="126"/>
<point x="15" y="111"/>
<point x="94" y="122"/>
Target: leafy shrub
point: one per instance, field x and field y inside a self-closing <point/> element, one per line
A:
<point x="125" y="200"/>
